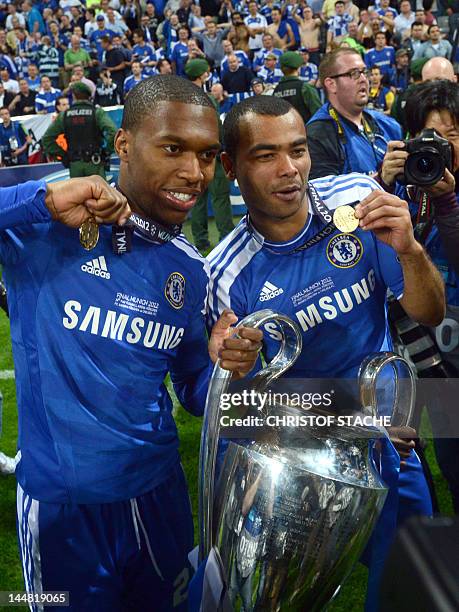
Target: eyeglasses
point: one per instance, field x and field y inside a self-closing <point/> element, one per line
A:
<point x="353" y="74"/>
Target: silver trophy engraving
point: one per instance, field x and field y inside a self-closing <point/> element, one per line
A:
<point x="292" y="511"/>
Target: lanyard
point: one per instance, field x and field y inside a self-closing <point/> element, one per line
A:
<point x="323" y="212"/>
<point x="151" y="230"/>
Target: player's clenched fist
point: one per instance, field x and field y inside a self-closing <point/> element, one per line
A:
<point x="72" y="202"/>
<point x="236" y="354"/>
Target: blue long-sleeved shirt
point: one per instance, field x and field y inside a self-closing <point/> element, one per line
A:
<point x="94" y="335"/>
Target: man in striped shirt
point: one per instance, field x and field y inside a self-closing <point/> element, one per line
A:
<point x="45" y="100"/>
<point x="333" y="284"/>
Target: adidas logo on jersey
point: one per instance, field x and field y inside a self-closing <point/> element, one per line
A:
<point x="97" y="267"/>
<point x="269" y="292"/>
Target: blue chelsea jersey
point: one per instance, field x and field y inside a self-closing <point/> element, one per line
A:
<point x="94" y="335"/>
<point x="335" y="291"/>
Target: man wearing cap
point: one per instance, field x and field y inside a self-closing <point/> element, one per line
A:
<point x="89" y="133"/>
<point x="269" y="73"/>
<point x="399" y="76"/>
<point x="198" y="71"/>
<point x="301" y="95"/>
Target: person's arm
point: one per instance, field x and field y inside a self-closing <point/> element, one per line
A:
<point x="388" y="217"/>
<point x="311" y="98"/>
<point x="191" y="368"/>
<point x="50" y="146"/>
<point x="108" y="128"/>
<point x="325" y="149"/>
<point x="290" y="37"/>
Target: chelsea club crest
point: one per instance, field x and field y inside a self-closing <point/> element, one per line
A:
<point x="344" y="250"/>
<point x="175" y="290"/>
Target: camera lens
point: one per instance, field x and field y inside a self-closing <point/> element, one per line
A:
<point x="425" y="167"/>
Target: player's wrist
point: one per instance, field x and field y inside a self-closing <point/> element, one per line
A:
<point x="413" y="251"/>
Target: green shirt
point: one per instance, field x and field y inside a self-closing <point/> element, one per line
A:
<point x="76" y="57"/>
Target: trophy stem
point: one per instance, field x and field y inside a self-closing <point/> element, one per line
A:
<point x="288" y="353"/>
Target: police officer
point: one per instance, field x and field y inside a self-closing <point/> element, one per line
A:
<point x="198" y="71"/>
<point x="89" y="133"/>
<point x="301" y="95"/>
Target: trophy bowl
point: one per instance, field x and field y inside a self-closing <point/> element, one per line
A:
<point x="292" y="511"/>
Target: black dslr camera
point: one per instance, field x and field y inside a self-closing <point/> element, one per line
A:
<point x="429" y="156"/>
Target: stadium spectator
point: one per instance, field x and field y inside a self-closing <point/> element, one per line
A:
<point x="223" y="105"/>
<point x="48" y="61"/>
<point x="237" y="78"/>
<point x="75" y="55"/>
<point x="9" y="84"/>
<point x="24" y="102"/>
<point x="179" y="54"/>
<point x="106" y="90"/>
<point x="257" y="25"/>
<point x="337" y="25"/>
<point x="269" y="73"/>
<point x="164" y="66"/>
<point x="33" y="16"/>
<point x="302" y="96"/>
<point x="211" y="40"/>
<point x="309" y="72"/>
<point x="91" y="25"/>
<point x="438" y="68"/>
<point x="435" y="46"/>
<point x="114" y="62"/>
<point x="46" y="97"/>
<point x="405" y="19"/>
<point x="13" y="14"/>
<point x="97" y="35"/>
<point x="352" y="39"/>
<point x="6" y="97"/>
<point x="14" y="142"/>
<point x="258" y="87"/>
<point x="79" y="75"/>
<point x="309" y="26"/>
<point x="280" y="30"/>
<point x="142" y="51"/>
<point x="239" y="34"/>
<point x="416" y="38"/>
<point x="399" y="76"/>
<point x="134" y="78"/>
<point x="381" y="55"/>
<point x="259" y="57"/>
<point x="380" y="98"/>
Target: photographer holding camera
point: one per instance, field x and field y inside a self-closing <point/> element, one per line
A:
<point x="425" y="171"/>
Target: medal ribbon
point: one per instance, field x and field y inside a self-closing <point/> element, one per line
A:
<point x="151" y="230"/>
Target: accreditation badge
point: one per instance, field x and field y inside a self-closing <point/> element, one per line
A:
<point x="89" y="233"/>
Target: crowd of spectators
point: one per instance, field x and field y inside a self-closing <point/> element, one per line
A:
<point x="111" y="45"/>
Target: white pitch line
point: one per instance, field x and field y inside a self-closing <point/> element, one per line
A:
<point x="6" y="374"/>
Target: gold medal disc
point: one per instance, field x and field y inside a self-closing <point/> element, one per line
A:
<point x="89" y="233"/>
<point x="344" y="219"/>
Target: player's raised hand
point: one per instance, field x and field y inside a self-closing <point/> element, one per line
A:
<point x="388" y="217"/>
<point x="236" y="354"/>
<point x="72" y="202"/>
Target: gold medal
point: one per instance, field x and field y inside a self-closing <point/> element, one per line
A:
<point x="89" y="233"/>
<point x="344" y="219"/>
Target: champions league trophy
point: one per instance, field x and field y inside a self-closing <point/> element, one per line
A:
<point x="293" y="511"/>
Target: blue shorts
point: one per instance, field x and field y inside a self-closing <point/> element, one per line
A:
<point x="128" y="555"/>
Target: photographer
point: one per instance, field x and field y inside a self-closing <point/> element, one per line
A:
<point x="14" y="142"/>
<point x="435" y="212"/>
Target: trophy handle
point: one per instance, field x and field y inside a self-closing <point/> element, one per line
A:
<point x="287" y="355"/>
<point x="370" y="369"/>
